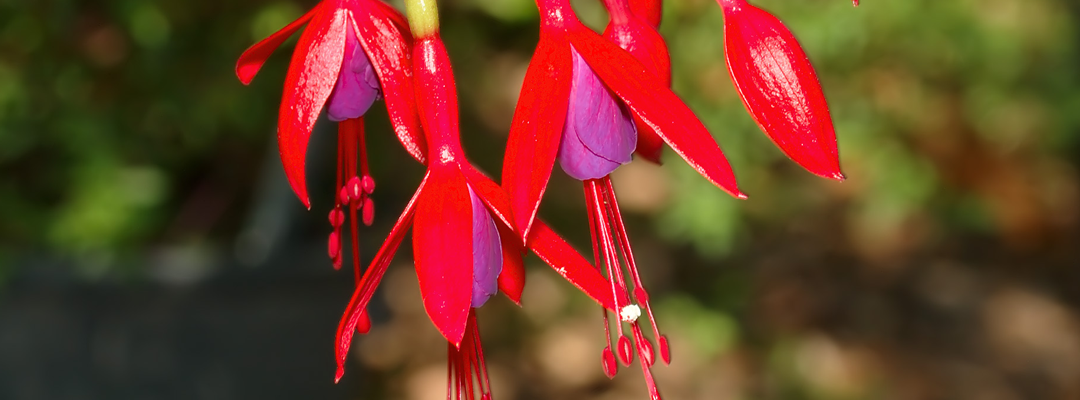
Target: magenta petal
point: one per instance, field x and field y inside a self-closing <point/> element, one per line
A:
<point x="357" y="85"/>
<point x="599" y="134"/>
<point x="487" y="253"/>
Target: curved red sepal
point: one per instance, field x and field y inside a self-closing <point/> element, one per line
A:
<point x="312" y="75"/>
<point x="255" y="56"/>
<point x="645" y="44"/>
<point x="656" y="105"/>
<point x="366" y="288"/>
<point x="570" y="264"/>
<point x="443" y="249"/>
<point x="512" y="277"/>
<point x="388" y="44"/>
<point x="537" y="128"/>
<point x="779" y="87"/>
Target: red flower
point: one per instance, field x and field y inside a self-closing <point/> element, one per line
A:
<point x="779" y="87"/>
<point x="542" y="109"/>
<point x="632" y="27"/>
<point x="315" y="67"/>
<point x="351" y="53"/>
<point x="447" y="214"/>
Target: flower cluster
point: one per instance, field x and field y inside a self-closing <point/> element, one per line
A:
<point x="589" y="101"/>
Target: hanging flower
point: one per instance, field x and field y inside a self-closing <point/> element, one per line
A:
<point x="634" y="33"/>
<point x="352" y="53"/>
<point x="779" y="87"/>
<point x="581" y="97"/>
<point x="464" y="241"/>
<point x="542" y="108"/>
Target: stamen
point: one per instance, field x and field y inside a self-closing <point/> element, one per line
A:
<point x="612" y="253"/>
<point x="467" y="373"/>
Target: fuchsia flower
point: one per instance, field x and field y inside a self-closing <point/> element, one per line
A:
<point x="581" y="96"/>
<point x="631" y="28"/>
<point x="541" y="111"/>
<point x="464" y="243"/>
<point x="779" y="87"/>
<point x="352" y="53"/>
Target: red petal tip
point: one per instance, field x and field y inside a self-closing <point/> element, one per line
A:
<point x="839" y="176"/>
<point x="340" y="373"/>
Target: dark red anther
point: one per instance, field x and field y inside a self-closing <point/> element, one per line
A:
<point x="641" y="295"/>
<point x="343" y="195"/>
<point x="355" y="189"/>
<point x="368" y="210"/>
<point x="334" y="245"/>
<point x="665" y="349"/>
<point x="626" y="351"/>
<point x="368" y="184"/>
<point x="337" y="218"/>
<point x="607" y="358"/>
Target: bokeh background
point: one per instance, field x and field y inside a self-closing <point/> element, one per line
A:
<point x="151" y="249"/>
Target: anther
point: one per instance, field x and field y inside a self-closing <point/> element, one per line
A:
<point x="665" y="350"/>
<point x="607" y="358"/>
<point x="355" y="188"/>
<point x="368" y="184"/>
<point x="337" y="218"/>
<point x="334" y="245"/>
<point x="343" y="195"/>
<point x="626" y="351"/>
<point x="368" y="210"/>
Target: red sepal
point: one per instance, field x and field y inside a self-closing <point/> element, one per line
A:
<point x="255" y="56"/>
<point x="644" y="43"/>
<point x="387" y="41"/>
<point x="570" y="264"/>
<point x="512" y="277"/>
<point x="649" y="10"/>
<point x="443" y="250"/>
<point x="366" y="288"/>
<point x="779" y="87"/>
<point x="312" y="75"/>
<point x="656" y="105"/>
<point x="537" y="128"/>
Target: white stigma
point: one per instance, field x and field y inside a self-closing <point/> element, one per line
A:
<point x="630" y="313"/>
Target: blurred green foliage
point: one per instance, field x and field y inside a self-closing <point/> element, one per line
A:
<point x="955" y="119"/>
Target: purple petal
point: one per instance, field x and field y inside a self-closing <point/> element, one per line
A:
<point x="487" y="253"/>
<point x="599" y="134"/>
<point x="357" y="86"/>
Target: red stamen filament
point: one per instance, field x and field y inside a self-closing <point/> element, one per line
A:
<point x="612" y="246"/>
<point x="352" y="193"/>
<point x="467" y="375"/>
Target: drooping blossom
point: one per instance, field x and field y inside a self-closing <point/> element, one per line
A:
<point x="779" y="87"/>
<point x="542" y="108"/>
<point x="631" y="28"/>
<point x="352" y="53"/>
<point x="581" y="96"/>
<point x="464" y="241"/>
